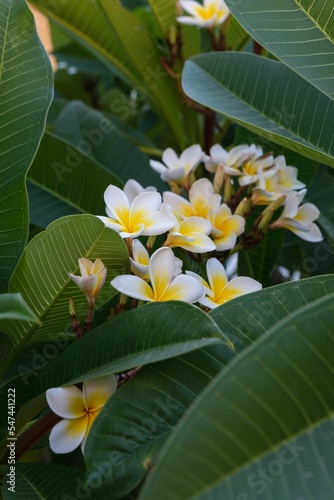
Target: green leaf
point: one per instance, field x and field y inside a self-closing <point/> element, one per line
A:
<point x="98" y="136"/>
<point x="165" y="13"/>
<point x="132" y="427"/>
<point x="134" y="424"/>
<point x="294" y="114"/>
<point x="46" y="481"/>
<point x="266" y="411"/>
<point x="236" y="37"/>
<point x="137" y="337"/>
<point x="144" y="56"/>
<point x="25" y="95"/>
<point x="321" y="194"/>
<point x="12" y="306"/>
<point x="298" y="32"/>
<point x="68" y="176"/>
<point x="248" y="317"/>
<point x="42" y="278"/>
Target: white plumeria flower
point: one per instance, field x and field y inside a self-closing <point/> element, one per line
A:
<point x="230" y="160"/>
<point x="140" y="261"/>
<point x="166" y="284"/>
<point x="141" y="217"/>
<point x="78" y="410"/>
<point x="282" y="182"/>
<point x="190" y="234"/>
<point x="225" y="227"/>
<point x="202" y="199"/>
<point x="132" y="189"/>
<point x="219" y="290"/>
<point x="299" y="219"/>
<point x="93" y="276"/>
<point x="176" y="169"/>
<point x="211" y="13"/>
<point x="250" y="168"/>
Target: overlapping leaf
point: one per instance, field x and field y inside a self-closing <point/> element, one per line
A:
<point x="298" y="32"/>
<point x="138" y="337"/>
<point x="266" y="97"/>
<point x="271" y="409"/>
<point x="25" y="95"/>
<point x="42" y="277"/>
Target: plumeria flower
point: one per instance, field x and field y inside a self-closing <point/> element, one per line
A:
<point x="140" y="261"/>
<point x="166" y="283"/>
<point x="93" y="276"/>
<point x="230" y="160"/>
<point x="299" y="219"/>
<point x="225" y="227"/>
<point x="219" y="290"/>
<point x="141" y="217"/>
<point x="190" y="234"/>
<point x="202" y="199"/>
<point x="250" y="168"/>
<point x="132" y="189"/>
<point x="283" y="181"/>
<point x="176" y="169"/>
<point x="211" y="13"/>
<point x="78" y="410"/>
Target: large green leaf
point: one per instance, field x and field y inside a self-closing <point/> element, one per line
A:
<point x="138" y="337"/>
<point x="246" y="318"/>
<point x="42" y="278"/>
<point x="321" y="194"/>
<point x="68" y="176"/>
<point x="266" y="97"/>
<point x="270" y="410"/>
<point x="12" y="306"/>
<point x="298" y="32"/>
<point x="119" y="38"/>
<point x="46" y="481"/>
<point x="133" y="425"/>
<point x="165" y="13"/>
<point x="25" y="95"/>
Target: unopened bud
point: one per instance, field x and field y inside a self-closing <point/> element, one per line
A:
<point x="269" y="212"/>
<point x="228" y="189"/>
<point x="244" y="207"/>
<point x="150" y="242"/>
<point x="218" y="179"/>
<point x="72" y="307"/>
<point x="172" y="35"/>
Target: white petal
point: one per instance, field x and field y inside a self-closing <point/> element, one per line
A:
<point x="67" y="402"/>
<point x="111" y="223"/>
<point x="97" y="391"/>
<point x="308" y="212"/>
<point x="85" y="266"/>
<point x="132" y="189"/>
<point x="195" y="225"/>
<point x="132" y="286"/>
<point x="116" y="201"/>
<point x="202" y="281"/>
<point x="240" y="286"/>
<point x="140" y="270"/>
<point x="216" y="275"/>
<point x="218" y="154"/>
<point x="225" y="242"/>
<point x="162" y="270"/>
<point x="158" y="166"/>
<point x="146" y="202"/>
<point x="184" y="288"/>
<point x="192" y="156"/>
<point x="139" y="252"/>
<point x="67" y="435"/>
<point x="174" y="174"/>
<point x="198" y="243"/>
<point x="190" y="6"/>
<point x="170" y="158"/>
<point x="178" y="203"/>
<point x="313" y="233"/>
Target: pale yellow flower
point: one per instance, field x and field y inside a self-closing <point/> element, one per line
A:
<point x="93" y="276"/>
<point x="78" y="410"/>
<point x="211" y="13"/>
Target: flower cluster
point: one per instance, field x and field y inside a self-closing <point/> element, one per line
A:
<point x="211" y="13"/>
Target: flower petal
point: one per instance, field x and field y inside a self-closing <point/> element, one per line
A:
<point x="225" y="242"/>
<point x="239" y="286"/>
<point x="97" y="391"/>
<point x="216" y="275"/>
<point x="132" y="286"/>
<point x="117" y="203"/>
<point x="162" y="270"/>
<point x="67" y="435"/>
<point x="85" y="266"/>
<point x="184" y="288"/>
<point x="178" y="203"/>
<point x="158" y="166"/>
<point x="67" y="402"/>
<point x="308" y="212"/>
<point x="170" y="158"/>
